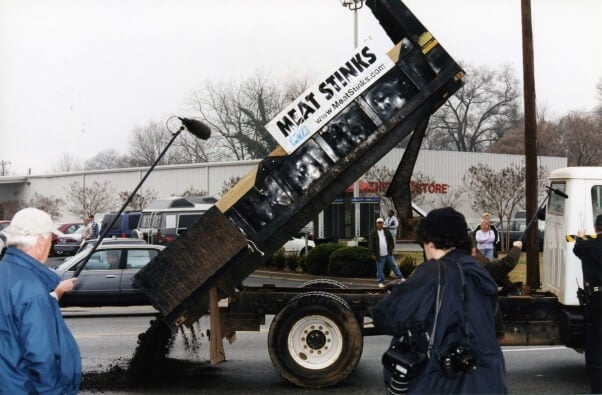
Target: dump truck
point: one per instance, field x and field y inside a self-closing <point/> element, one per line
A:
<point x="328" y="138"/>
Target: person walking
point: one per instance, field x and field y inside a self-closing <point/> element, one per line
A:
<point x="392" y="223"/>
<point x="39" y="353"/>
<point x="94" y="229"/>
<point x="381" y="245"/>
<point x="590" y="253"/>
<point x="446" y="312"/>
<point x="87" y="231"/>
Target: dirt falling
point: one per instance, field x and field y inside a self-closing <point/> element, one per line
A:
<point x="150" y="357"/>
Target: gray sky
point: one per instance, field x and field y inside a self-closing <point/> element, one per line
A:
<point x="76" y="76"/>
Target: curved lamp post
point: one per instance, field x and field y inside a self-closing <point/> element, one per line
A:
<point x="197" y="129"/>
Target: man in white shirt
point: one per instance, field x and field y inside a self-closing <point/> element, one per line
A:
<point x="381" y="244"/>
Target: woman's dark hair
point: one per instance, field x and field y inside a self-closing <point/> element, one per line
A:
<point x="445" y="228"/>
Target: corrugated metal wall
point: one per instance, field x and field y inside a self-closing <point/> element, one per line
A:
<point x="443" y="167"/>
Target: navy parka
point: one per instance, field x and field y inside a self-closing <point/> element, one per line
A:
<point x="411" y="305"/>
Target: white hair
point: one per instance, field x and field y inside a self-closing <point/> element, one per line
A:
<point x="24" y="241"/>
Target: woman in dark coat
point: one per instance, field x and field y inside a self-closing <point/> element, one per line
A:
<point x="466" y="314"/>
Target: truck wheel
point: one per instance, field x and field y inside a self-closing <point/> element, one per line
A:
<point x="315" y="340"/>
<point x="323" y="283"/>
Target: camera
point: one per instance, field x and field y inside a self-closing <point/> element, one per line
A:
<point x="458" y="359"/>
<point x="404" y="364"/>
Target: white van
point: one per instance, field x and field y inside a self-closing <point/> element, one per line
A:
<point x="165" y="219"/>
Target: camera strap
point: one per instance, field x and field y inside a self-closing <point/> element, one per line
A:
<point x="438" y="302"/>
<point x="465" y="328"/>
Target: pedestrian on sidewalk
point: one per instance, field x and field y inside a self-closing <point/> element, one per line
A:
<point x="381" y="245"/>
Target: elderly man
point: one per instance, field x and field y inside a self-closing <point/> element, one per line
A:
<point x="39" y="353"/>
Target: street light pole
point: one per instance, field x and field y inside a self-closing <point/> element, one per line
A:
<point x="198" y="129"/>
<point x="355" y="5"/>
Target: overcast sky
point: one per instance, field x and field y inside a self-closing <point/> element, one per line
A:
<point x="76" y="76"/>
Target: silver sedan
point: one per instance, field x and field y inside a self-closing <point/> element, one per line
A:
<point x="106" y="279"/>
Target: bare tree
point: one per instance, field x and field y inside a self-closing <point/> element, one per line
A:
<point x="191" y="191"/>
<point x="147" y="143"/>
<point x="599" y="94"/>
<point x="107" y="159"/>
<point x="500" y="192"/>
<point x="237" y="113"/>
<point x="482" y="111"/>
<point x="578" y="136"/>
<point x="90" y="200"/>
<point x="193" y="150"/>
<point x="139" y="200"/>
<point x="51" y="205"/>
<point x="66" y="163"/>
<point x="229" y="184"/>
<point x="582" y="135"/>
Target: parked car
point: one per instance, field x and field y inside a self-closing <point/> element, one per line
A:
<point x="123" y="227"/>
<point x="4" y="224"/>
<point x="106" y="279"/>
<point x="296" y="246"/>
<point x="67" y="229"/>
<point x="69" y="244"/>
<point x="109" y="241"/>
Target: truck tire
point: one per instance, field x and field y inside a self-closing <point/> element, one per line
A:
<point x="315" y="340"/>
<point x="323" y="283"/>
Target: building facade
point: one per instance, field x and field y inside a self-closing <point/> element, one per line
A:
<point x="445" y="171"/>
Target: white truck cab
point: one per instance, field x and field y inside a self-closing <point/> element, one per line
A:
<point x="562" y="273"/>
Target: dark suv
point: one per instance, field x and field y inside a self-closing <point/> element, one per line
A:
<point x="123" y="227"/>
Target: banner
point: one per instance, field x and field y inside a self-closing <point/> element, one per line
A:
<point x="322" y="101"/>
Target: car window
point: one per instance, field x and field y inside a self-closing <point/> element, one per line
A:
<point x="71" y="229"/>
<point x="169" y="221"/>
<point x="185" y="220"/>
<point x="104" y="260"/>
<point x="133" y="221"/>
<point x="137" y="259"/>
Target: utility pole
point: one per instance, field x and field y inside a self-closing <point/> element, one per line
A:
<point x="533" y="280"/>
<point x="4" y="164"/>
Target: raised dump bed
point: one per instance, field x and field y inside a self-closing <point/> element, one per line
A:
<point x="329" y="137"/>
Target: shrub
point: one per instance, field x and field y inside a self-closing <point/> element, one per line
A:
<point x="407" y="265"/>
<point x="351" y="262"/>
<point x="293" y="261"/>
<point x="316" y="261"/>
<point x="278" y="260"/>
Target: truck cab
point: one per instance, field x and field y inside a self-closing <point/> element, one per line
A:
<point x="562" y="274"/>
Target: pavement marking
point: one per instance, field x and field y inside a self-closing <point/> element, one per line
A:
<point x="535" y="349"/>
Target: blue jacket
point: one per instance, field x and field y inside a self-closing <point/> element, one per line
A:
<point x="38" y="352"/>
<point x="411" y="306"/>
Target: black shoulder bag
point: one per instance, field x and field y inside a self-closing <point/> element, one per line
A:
<point x="402" y="359"/>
